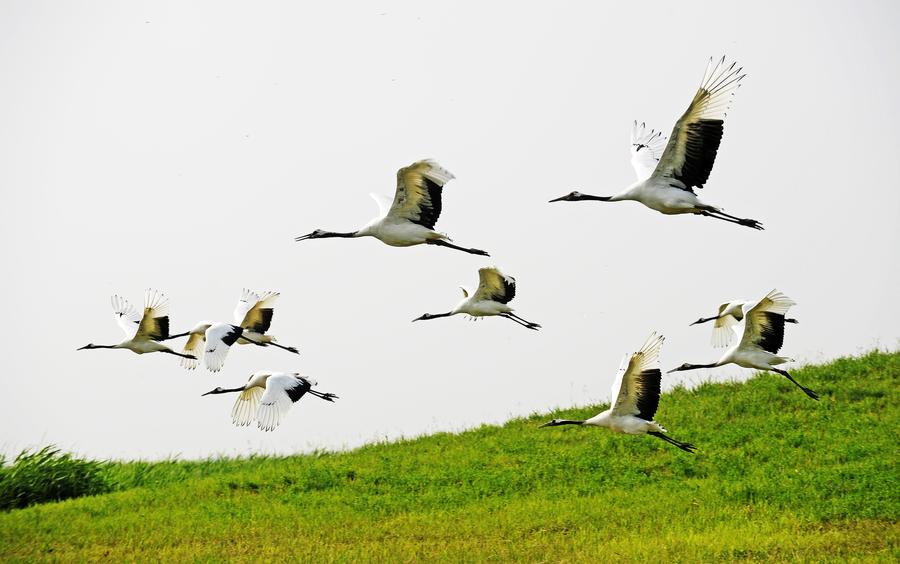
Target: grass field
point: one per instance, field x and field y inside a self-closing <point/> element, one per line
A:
<point x="777" y="477"/>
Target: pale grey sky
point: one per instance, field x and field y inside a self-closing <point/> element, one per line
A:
<point x="182" y="146"/>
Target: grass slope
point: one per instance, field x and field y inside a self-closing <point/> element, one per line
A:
<point x="777" y="476"/>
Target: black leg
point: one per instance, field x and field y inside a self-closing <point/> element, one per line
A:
<point x="442" y="243"/>
<point x="731" y="219"/>
<point x="289" y="349"/>
<point x="806" y="390"/>
<point x="530" y="324"/>
<point x="190" y="356"/>
<point x="257" y="343"/>
<point x="523" y="324"/>
<point x="687" y="447"/>
<point x="324" y="396"/>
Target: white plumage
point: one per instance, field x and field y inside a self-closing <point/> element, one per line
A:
<point x="412" y="214"/>
<point x="212" y="340"/>
<point x="666" y="177"/>
<point x="495" y="291"/>
<point x="267" y="397"/>
<point x="726" y="320"/>
<point x="634" y="397"/>
<point x="762" y="338"/>
<point x="143" y="331"/>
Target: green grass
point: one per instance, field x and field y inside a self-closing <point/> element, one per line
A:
<point x="777" y="477"/>
<point x="49" y="475"/>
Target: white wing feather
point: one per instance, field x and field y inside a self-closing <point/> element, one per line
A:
<point x="275" y="402"/>
<point x="126" y="316"/>
<point x="194" y="346"/>
<point x="384" y="203"/>
<point x="647" y="358"/>
<point x="244" y="411"/>
<point x="646" y="149"/>
<point x="245" y="304"/>
<point x="216" y="348"/>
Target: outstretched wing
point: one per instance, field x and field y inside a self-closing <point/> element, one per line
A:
<point x="126" y="316"/>
<point x="155" y="321"/>
<point x="282" y="390"/>
<point x="646" y="149"/>
<point x="418" y="196"/>
<point x="723" y="328"/>
<point x="636" y="389"/>
<point x="764" y="322"/>
<point x="254" y="311"/>
<point x="694" y="142"/>
<point x="494" y="285"/>
<point x="219" y="339"/>
<point x="245" y="406"/>
<point x="193" y="346"/>
<point x="384" y="203"/>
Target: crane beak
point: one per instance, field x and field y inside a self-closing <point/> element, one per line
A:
<point x="560" y="199"/>
<point x="82" y="348"/>
<point x="305" y="237"/>
<point x="547" y="424"/>
<point x="421" y="317"/>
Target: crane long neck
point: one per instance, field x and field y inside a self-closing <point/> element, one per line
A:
<point x="330" y="234"/>
<point x="696" y="366"/>
<point x="225" y="390"/>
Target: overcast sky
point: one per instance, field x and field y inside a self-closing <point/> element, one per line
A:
<point x="182" y="146"/>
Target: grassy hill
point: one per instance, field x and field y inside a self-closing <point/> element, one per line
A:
<point x="777" y="476"/>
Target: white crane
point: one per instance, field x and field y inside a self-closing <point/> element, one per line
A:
<point x="410" y="218"/>
<point x="267" y="396"/>
<point x="253" y="313"/>
<point x="762" y="339"/>
<point x="142" y="331"/>
<point x="634" y="397"/>
<point x="729" y="315"/>
<point x="212" y="340"/>
<point x="495" y="291"/>
<point x="668" y="173"/>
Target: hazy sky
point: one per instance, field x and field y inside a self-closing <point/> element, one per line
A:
<point x="182" y="146"/>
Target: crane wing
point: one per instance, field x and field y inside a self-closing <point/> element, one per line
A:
<point x="494" y="285"/>
<point x="126" y="316"/>
<point x="244" y="411"/>
<point x="384" y="203"/>
<point x="694" y="142"/>
<point x="155" y="321"/>
<point x="637" y="392"/>
<point x="282" y="390"/>
<point x="723" y="328"/>
<point x="193" y="346"/>
<point x="418" y="196"/>
<point x="646" y="149"/>
<point x="764" y="322"/>
<point x="219" y="338"/>
<point x="254" y="311"/>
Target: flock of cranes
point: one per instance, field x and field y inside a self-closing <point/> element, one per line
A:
<point x="667" y="172"/>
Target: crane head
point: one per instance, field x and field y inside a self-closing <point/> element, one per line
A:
<point x="317" y="234"/>
<point x="577" y="196"/>
<point x="570" y="197"/>
<point x="87" y="346"/>
<point x="557" y="422"/>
